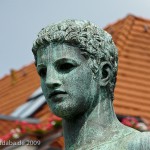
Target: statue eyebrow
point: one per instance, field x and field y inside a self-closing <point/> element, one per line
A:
<point x="68" y="60"/>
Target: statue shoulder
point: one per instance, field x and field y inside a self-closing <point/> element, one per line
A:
<point x="140" y="141"/>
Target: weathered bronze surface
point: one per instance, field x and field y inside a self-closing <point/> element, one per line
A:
<point x="77" y="63"/>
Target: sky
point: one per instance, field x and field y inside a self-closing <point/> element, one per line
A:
<point x="21" y="20"/>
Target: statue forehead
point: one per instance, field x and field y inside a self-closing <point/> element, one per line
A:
<point x="58" y="50"/>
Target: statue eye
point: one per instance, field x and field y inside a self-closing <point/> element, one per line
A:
<point x="65" y="67"/>
<point x="42" y="72"/>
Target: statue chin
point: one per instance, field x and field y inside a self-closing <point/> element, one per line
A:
<point x="66" y="112"/>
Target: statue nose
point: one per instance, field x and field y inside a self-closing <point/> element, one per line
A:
<point x="53" y="82"/>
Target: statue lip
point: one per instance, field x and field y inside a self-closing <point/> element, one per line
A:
<point x="55" y="93"/>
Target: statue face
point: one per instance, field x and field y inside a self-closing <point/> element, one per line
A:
<point x="66" y="80"/>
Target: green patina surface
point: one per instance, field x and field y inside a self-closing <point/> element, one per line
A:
<point x="77" y="63"/>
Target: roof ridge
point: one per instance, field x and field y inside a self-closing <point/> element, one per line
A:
<point x="122" y="23"/>
<point x="129" y="18"/>
<point x="16" y="70"/>
<point x="139" y="17"/>
<point x="125" y="29"/>
<point x="120" y="27"/>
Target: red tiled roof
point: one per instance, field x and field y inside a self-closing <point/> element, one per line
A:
<point x="132" y="93"/>
<point x="15" y="90"/>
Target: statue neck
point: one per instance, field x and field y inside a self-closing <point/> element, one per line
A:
<point x="99" y="125"/>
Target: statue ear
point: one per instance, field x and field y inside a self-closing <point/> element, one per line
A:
<point x="106" y="73"/>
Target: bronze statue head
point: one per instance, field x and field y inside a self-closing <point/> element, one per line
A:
<point x="93" y="43"/>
